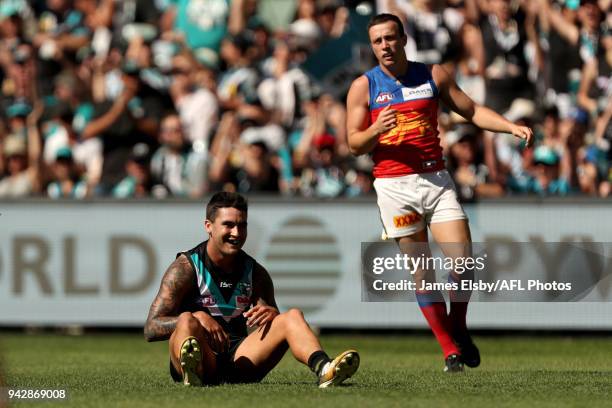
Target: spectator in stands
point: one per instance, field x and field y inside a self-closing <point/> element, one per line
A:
<point x="62" y="32"/>
<point x="304" y="29"/>
<point x="359" y="178"/>
<point x="505" y="38"/>
<point x="120" y="124"/>
<point x="257" y="172"/>
<point x="56" y="130"/>
<point x="66" y="180"/>
<point x="17" y="114"/>
<point x="431" y="29"/>
<point x="19" y="179"/>
<point x="465" y="162"/>
<point x="332" y="17"/>
<point x="547" y="175"/>
<point x="469" y="66"/>
<point x="175" y="165"/>
<point x="285" y="87"/>
<point x="138" y="183"/>
<point x="244" y="156"/>
<point x="134" y="18"/>
<point x="193" y="93"/>
<point x="583" y="31"/>
<point x="595" y="91"/>
<point x="20" y="75"/>
<point x="562" y="55"/>
<point x="238" y="84"/>
<point x="20" y="161"/>
<point x="202" y="26"/>
<point x="322" y="177"/>
<point x="549" y="132"/>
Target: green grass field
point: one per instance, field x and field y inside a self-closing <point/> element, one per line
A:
<point x="110" y="370"/>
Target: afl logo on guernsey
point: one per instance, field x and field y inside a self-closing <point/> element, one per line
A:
<point x="384" y="97"/>
<point x="208" y="300"/>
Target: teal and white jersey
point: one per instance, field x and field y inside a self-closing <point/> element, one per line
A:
<point x="224" y="298"/>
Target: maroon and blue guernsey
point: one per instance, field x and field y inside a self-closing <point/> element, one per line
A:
<point x="413" y="145"/>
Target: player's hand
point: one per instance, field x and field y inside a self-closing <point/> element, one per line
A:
<point x="218" y="339"/>
<point x="260" y="315"/>
<point x="523" y="132"/>
<point x="386" y="120"/>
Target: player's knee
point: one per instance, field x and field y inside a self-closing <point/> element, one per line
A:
<point x="199" y="314"/>
<point x="294" y="315"/>
<point x="186" y="321"/>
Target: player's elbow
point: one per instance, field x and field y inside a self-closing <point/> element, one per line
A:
<point x="356" y="148"/>
<point x="149" y="334"/>
<point x="355" y="151"/>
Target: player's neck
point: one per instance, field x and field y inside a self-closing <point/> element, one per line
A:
<point x="397" y="70"/>
<point x="222" y="262"/>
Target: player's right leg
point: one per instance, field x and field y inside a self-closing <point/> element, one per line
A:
<point x="263" y="349"/>
<point x="455" y="240"/>
<point x="449" y="227"/>
<point x="431" y="302"/>
<point x="190" y="354"/>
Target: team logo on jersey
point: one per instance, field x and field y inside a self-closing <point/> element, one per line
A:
<point x="418" y="92"/>
<point x="243" y="300"/>
<point x="406" y="220"/>
<point x="384" y="97"/>
<point x="409" y="125"/>
<point x="244" y="288"/>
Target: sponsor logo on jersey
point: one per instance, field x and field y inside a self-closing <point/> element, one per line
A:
<point x="406" y="220"/>
<point x="384" y="97"/>
<point x="225" y="284"/>
<point x="418" y="92"/>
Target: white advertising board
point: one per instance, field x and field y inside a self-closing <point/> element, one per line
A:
<point x="100" y="263"/>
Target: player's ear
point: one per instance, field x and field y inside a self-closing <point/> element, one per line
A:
<point x="208" y="226"/>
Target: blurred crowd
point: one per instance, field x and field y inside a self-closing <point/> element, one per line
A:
<point x="176" y="98"/>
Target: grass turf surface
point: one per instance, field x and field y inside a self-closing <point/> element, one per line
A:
<point x="109" y="370"/>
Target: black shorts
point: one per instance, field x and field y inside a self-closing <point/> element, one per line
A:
<point x="226" y="370"/>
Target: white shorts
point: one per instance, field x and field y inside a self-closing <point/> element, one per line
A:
<point x="409" y="203"/>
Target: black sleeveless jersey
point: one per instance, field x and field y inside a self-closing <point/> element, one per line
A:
<point x="223" y="296"/>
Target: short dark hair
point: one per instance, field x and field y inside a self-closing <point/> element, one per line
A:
<point x="383" y="18"/>
<point x="225" y="199"/>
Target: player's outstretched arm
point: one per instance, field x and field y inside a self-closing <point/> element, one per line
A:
<point x="178" y="280"/>
<point x="479" y="115"/>
<point x="363" y="137"/>
<point x="264" y="308"/>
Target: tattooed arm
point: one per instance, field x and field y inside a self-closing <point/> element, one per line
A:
<point x="265" y="308"/>
<point x="163" y="314"/>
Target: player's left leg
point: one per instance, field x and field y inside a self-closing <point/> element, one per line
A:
<point x="455" y="241"/>
<point x="190" y="354"/>
<point x="263" y="349"/>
